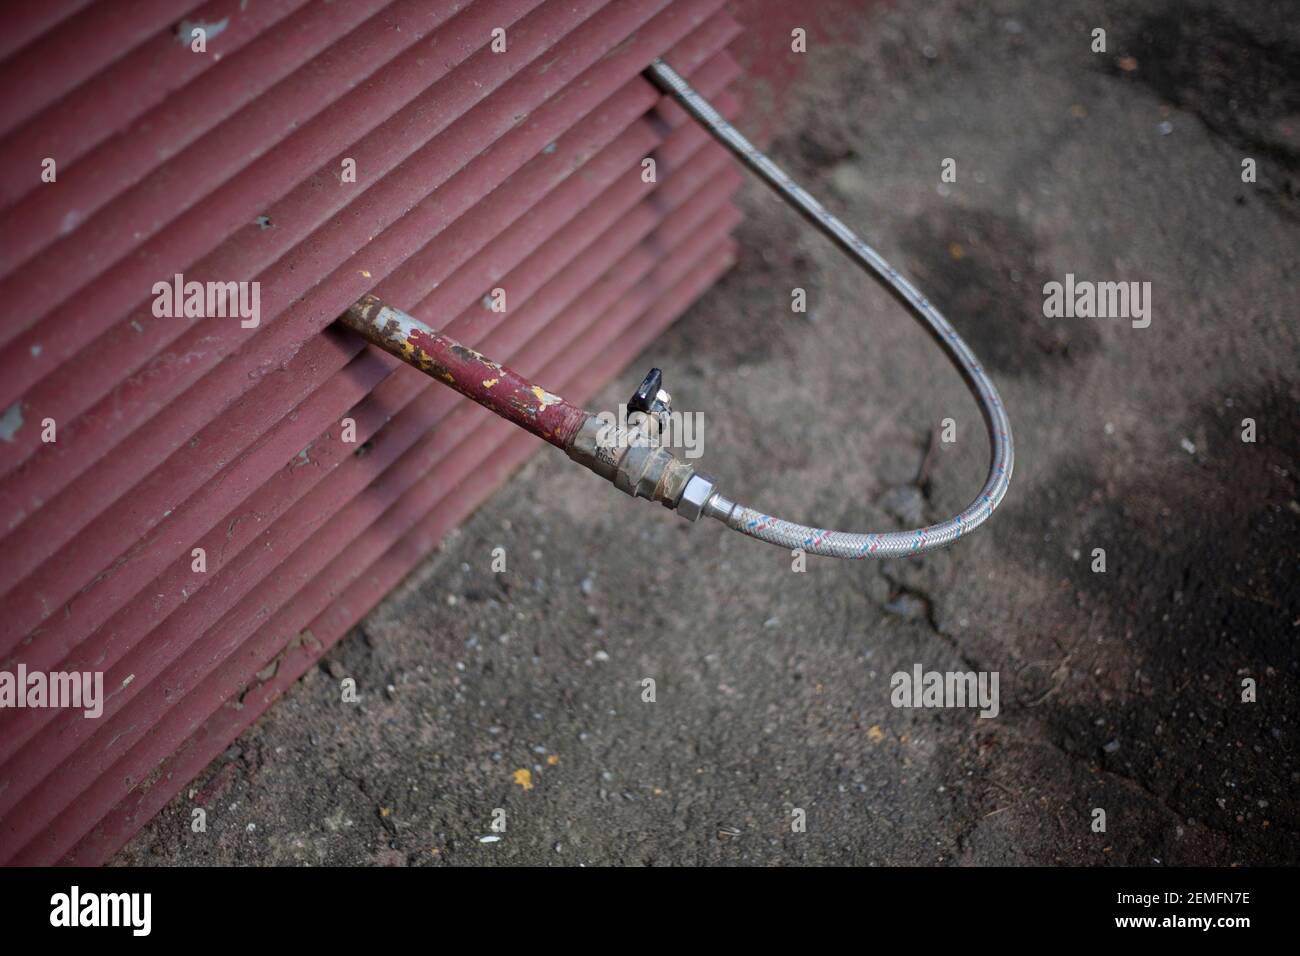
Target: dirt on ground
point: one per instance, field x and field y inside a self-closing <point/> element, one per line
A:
<point x="512" y="705"/>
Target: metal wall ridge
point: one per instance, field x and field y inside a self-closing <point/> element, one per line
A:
<point x="231" y="362"/>
<point x="138" y="197"/>
<point x="119" y="95"/>
<point x="220" y="235"/>
<point x="61" y="60"/>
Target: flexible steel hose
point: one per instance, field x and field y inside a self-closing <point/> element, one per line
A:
<point x="842" y="544"/>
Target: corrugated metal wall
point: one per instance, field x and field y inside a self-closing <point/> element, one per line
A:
<point x="475" y="170"/>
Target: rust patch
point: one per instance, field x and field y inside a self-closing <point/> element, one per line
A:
<point x="466" y="353"/>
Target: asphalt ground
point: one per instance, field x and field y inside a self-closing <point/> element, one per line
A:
<point x="1120" y="691"/>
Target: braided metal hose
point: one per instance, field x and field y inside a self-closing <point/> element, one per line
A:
<point x="843" y="544"/>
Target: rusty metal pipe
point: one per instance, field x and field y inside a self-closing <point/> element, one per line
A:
<point x="629" y="458"/>
<point x="494" y="386"/>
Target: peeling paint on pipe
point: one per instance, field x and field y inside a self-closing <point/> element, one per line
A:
<point x="495" y="387"/>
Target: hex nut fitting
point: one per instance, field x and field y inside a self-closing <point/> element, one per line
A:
<point x="699" y="489"/>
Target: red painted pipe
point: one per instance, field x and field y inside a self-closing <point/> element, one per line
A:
<point x="496" y="387"/>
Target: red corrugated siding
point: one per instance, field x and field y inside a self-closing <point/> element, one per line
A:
<point x="475" y="169"/>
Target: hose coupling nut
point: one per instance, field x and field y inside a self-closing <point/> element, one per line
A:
<point x="699" y="489"/>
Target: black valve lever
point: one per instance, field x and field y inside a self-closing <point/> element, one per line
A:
<point x="650" y="397"/>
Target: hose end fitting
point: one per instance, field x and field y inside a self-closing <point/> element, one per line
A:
<point x="699" y="491"/>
